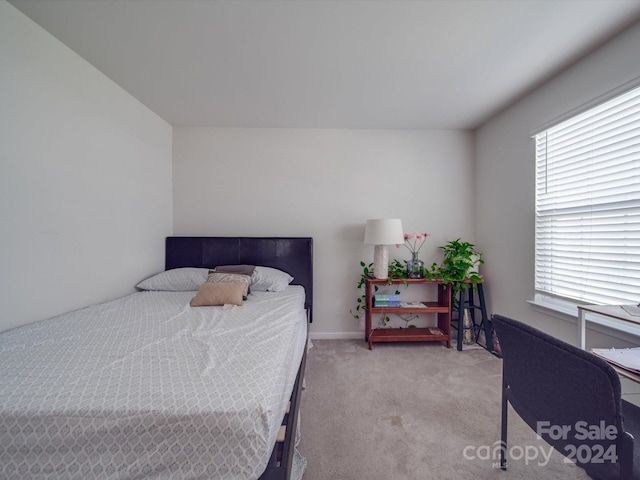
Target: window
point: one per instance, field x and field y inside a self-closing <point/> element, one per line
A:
<point x="588" y="205"/>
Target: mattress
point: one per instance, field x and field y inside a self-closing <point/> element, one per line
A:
<point x="148" y="387"/>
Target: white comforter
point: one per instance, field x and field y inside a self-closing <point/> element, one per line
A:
<point x="148" y="387"/>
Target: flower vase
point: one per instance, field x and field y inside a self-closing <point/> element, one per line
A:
<point x="415" y="266"/>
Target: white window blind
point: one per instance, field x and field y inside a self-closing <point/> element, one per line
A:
<point x="588" y="205"/>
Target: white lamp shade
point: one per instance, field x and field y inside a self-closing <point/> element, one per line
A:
<point x="387" y="231"/>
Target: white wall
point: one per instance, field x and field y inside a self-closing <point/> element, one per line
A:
<point x="325" y="184"/>
<point x="85" y="179"/>
<point x="505" y="175"/>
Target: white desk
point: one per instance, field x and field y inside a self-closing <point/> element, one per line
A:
<point x="612" y="316"/>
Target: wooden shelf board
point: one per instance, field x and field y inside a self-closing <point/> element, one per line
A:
<point x="432" y="307"/>
<point x="395" y="281"/>
<point x="406" y="335"/>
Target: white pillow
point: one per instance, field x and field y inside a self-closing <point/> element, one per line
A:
<point x="185" y="279"/>
<point x="267" y="279"/>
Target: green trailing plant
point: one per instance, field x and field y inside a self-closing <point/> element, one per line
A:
<point x="361" y="301"/>
<point x="396" y="270"/>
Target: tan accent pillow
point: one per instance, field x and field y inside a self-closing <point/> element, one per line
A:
<point x="216" y="277"/>
<point x="213" y="294"/>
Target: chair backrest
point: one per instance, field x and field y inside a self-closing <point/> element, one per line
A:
<point x="571" y="398"/>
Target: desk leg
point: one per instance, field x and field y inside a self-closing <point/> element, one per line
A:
<point x="581" y="327"/>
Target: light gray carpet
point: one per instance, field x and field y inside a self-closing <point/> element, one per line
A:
<point x="412" y="411"/>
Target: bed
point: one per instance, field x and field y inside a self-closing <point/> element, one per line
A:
<point x="148" y="386"/>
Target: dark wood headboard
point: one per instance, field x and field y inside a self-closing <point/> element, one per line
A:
<point x="293" y="255"/>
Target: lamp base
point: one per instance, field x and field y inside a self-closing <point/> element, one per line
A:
<point x="380" y="261"/>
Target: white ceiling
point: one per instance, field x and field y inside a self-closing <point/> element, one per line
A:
<point x="330" y="63"/>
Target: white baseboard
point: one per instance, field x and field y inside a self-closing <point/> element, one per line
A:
<point x="336" y="335"/>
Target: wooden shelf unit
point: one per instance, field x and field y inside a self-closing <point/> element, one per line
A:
<point x="441" y="308"/>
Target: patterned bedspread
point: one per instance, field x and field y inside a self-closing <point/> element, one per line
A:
<point x="147" y="387"/>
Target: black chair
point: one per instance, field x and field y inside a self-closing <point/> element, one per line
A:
<point x="566" y="394"/>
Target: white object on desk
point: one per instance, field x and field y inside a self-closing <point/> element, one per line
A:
<point x="627" y="358"/>
<point x="632" y="309"/>
<point x="612" y="316"/>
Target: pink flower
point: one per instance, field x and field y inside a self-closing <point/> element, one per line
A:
<point x="418" y="241"/>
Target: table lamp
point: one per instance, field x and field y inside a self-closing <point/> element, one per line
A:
<point x="383" y="232"/>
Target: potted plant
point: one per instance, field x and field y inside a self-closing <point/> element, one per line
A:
<point x="460" y="263"/>
<point x="459" y="268"/>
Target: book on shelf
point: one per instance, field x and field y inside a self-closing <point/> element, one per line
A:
<point x="387" y="304"/>
<point x="386" y="300"/>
